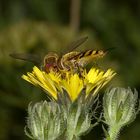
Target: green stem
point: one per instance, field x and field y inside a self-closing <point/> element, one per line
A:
<point x="113" y="133"/>
<point x="73" y="138"/>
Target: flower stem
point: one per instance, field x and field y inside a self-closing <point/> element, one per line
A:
<point x="113" y="133"/>
<point x="73" y="138"/>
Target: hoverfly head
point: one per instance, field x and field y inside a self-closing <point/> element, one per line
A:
<point x="50" y="62"/>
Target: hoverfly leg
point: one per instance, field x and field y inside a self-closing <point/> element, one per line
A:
<point x="95" y="64"/>
<point x="79" y="69"/>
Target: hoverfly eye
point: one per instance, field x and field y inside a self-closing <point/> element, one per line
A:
<point x="48" y="65"/>
<point x="50" y="60"/>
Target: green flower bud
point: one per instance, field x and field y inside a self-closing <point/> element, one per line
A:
<point x="44" y="121"/>
<point x="78" y="122"/>
<point x="119" y="106"/>
<point x="77" y="115"/>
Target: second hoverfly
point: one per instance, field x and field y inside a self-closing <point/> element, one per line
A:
<point x="70" y="61"/>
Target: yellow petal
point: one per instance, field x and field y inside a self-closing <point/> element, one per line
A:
<point x="73" y="85"/>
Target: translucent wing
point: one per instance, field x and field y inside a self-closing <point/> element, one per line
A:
<point x="27" y="57"/>
<point x="75" y="44"/>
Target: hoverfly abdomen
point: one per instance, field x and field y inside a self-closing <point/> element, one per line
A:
<point x="86" y="57"/>
<point x="86" y="53"/>
<point x="92" y="54"/>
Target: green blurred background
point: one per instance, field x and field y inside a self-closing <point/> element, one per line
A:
<point x="40" y="26"/>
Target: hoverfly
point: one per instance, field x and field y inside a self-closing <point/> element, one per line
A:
<point x="72" y="60"/>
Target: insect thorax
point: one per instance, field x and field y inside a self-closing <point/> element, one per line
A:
<point x="67" y="61"/>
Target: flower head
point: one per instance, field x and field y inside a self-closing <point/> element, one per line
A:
<point x="120" y="109"/>
<point x="96" y="79"/>
<point x="73" y="94"/>
<point x="43" y="123"/>
<point x="73" y="83"/>
<point x="48" y="82"/>
<point x="120" y="106"/>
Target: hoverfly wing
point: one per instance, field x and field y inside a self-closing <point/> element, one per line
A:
<point x="75" y="44"/>
<point x="27" y="57"/>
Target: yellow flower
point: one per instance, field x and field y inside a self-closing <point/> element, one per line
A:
<point x="96" y="79"/>
<point x="46" y="81"/>
<point x="73" y="83"/>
